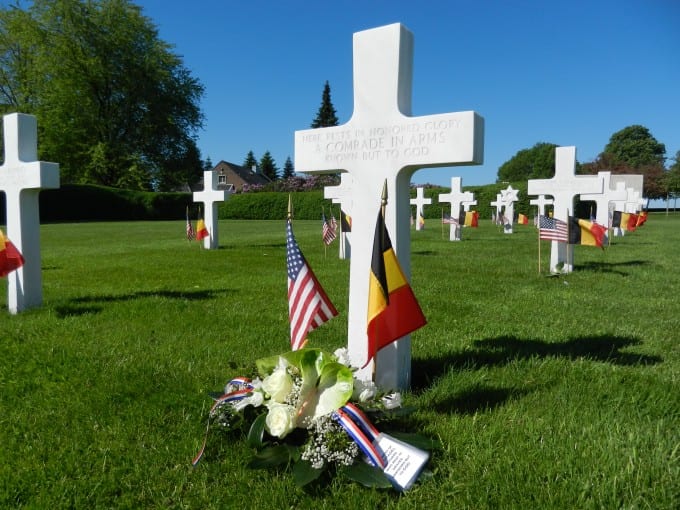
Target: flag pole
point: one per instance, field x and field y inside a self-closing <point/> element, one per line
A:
<point x="539" y="243"/>
<point x="289" y="216"/>
<point x="442" y="223"/>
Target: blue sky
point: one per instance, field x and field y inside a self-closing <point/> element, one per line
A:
<point x="565" y="72"/>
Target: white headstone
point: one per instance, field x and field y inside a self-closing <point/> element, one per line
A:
<point x="456" y="197"/>
<point x="342" y="194"/>
<point x="509" y="196"/>
<point x="210" y="197"/>
<point x="541" y="202"/>
<point x="420" y="202"/>
<point x="468" y="203"/>
<point x="498" y="204"/>
<point x="21" y="178"/>
<point x="603" y="199"/>
<point x="383" y="143"/>
<point x="563" y="187"/>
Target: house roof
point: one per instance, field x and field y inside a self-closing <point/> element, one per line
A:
<point x="244" y="173"/>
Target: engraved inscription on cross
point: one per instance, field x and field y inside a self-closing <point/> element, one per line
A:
<point x="420" y="201"/>
<point x="563" y="187"/>
<point x="21" y="178"/>
<point x="383" y="143"/>
<point x="342" y="194"/>
<point x="211" y="196"/>
<point x="456" y="197"/>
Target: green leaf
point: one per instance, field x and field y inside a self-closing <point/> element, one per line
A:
<point x="256" y="432"/>
<point x="367" y="476"/>
<point x="304" y="473"/>
<point x="270" y="457"/>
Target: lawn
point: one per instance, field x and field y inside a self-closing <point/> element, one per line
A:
<point x="544" y="391"/>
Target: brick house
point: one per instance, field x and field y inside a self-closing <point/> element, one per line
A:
<point x="231" y="176"/>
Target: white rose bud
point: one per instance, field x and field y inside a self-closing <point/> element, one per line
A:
<point x="280" y="419"/>
<point x="278" y="385"/>
<point x="364" y="390"/>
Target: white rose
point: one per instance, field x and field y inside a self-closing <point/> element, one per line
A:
<point x="364" y="390"/>
<point x="278" y="385"/>
<point x="280" y="419"/>
<point x="342" y="354"/>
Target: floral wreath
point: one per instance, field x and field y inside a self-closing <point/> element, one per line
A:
<point x="305" y="408"/>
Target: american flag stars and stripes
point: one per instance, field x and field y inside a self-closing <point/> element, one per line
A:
<point x="552" y="229"/>
<point x="308" y="304"/>
<point x="327" y="231"/>
<point x="191" y="235"/>
<point x="448" y="220"/>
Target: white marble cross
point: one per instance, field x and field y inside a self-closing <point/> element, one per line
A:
<point x="602" y="199"/>
<point x="21" y="178"/>
<point x="509" y="196"/>
<point x="468" y="203"/>
<point x="541" y="202"/>
<point x="383" y="143"/>
<point x="210" y="197"/>
<point x="456" y="197"/>
<point x="342" y="194"/>
<point x="563" y="187"/>
<point x="420" y="201"/>
<point x="498" y="204"/>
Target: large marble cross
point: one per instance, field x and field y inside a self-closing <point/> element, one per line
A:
<point x="383" y="143"/>
<point x="456" y="197"/>
<point x="21" y="178"/>
<point x="342" y="194"/>
<point x="420" y="202"/>
<point x="603" y="199"/>
<point x="563" y="187"/>
<point x="211" y="197"/>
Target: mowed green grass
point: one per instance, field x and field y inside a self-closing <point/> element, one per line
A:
<point x="545" y="392"/>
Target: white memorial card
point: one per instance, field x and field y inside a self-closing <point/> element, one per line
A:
<point x="404" y="461"/>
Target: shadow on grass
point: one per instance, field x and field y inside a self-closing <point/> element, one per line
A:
<point x="82" y="306"/>
<point x="505" y="349"/>
<point x="476" y="399"/>
<point x="611" y="267"/>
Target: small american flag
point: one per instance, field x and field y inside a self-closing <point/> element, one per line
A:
<point x="191" y="235"/>
<point x="448" y="220"/>
<point x="334" y="223"/>
<point x="327" y="231"/>
<point x="308" y="304"/>
<point x="552" y="229"/>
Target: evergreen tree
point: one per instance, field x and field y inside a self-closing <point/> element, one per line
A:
<point x="268" y="167"/>
<point x="288" y="169"/>
<point x="208" y="164"/>
<point x="250" y="161"/>
<point x="325" y="117"/>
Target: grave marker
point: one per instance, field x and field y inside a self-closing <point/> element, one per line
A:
<point x="498" y="204"/>
<point x="509" y="196"/>
<point x="541" y="202"/>
<point x="563" y="187"/>
<point x="383" y="143"/>
<point x="210" y="197"/>
<point x="603" y="199"/>
<point x="456" y="197"/>
<point x="342" y="194"/>
<point x="21" y="178"/>
<point x="420" y="201"/>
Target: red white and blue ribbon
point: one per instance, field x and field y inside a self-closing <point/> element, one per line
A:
<point x="362" y="431"/>
<point x="232" y="396"/>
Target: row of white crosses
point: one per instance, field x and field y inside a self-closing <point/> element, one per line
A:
<point x="505" y="207"/>
<point x="381" y="144"/>
<point x="22" y="177"/>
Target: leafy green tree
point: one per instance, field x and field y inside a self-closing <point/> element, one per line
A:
<point x="635" y="147"/>
<point x="268" y="166"/>
<point x="326" y="116"/>
<point x="538" y="162"/>
<point x="111" y="98"/>
<point x="288" y="169"/>
<point x="633" y="150"/>
<point x="250" y="161"/>
<point x="671" y="179"/>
